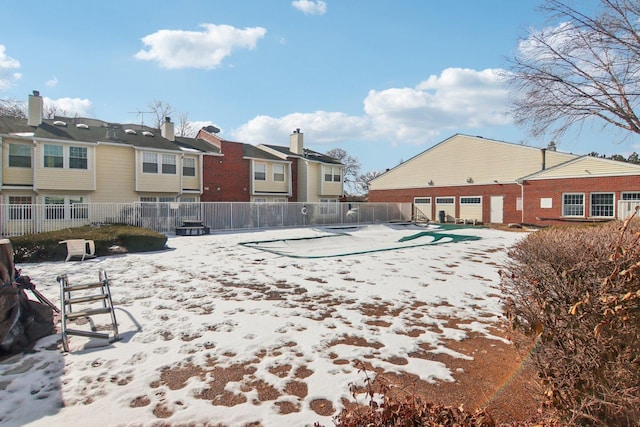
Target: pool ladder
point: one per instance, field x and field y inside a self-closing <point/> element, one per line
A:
<point x="86" y="297"/>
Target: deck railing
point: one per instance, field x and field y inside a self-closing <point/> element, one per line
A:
<point x="165" y="217"/>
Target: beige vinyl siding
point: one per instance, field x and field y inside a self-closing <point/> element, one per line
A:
<point x="590" y="166"/>
<point x="191" y="182"/>
<point x="64" y="179"/>
<point x="115" y="175"/>
<point x="16" y="175"/>
<point x="303" y="178"/>
<point x="314" y="176"/>
<point x="269" y="185"/>
<point x="460" y="157"/>
<point x="157" y="182"/>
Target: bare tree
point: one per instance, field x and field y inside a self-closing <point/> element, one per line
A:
<point x="159" y="110"/>
<point x="586" y="68"/>
<point x="12" y="108"/>
<point x="364" y="180"/>
<point x="185" y="127"/>
<point x="51" y="110"/>
<point x="351" y="168"/>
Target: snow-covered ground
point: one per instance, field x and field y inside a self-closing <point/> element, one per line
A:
<point x="213" y="330"/>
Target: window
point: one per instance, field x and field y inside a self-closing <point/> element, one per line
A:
<point x="573" y="204"/>
<point x="445" y="200"/>
<point x="188" y="199"/>
<point x="20" y="207"/>
<point x="79" y="209"/>
<point x="260" y="172"/>
<point x="328" y="206"/>
<point x="279" y="200"/>
<point x="278" y="173"/>
<point x="146" y="199"/>
<point x="169" y="164"/>
<point x="19" y="156"/>
<point x="422" y="200"/>
<point x="259" y="200"/>
<point x="53" y="156"/>
<point x="78" y="157"/>
<point x="189" y="166"/>
<point x="630" y="196"/>
<point x="332" y="174"/>
<point x="602" y="204"/>
<point x="167" y="199"/>
<point x="54" y="207"/>
<point x="476" y="200"/>
<point x="149" y="163"/>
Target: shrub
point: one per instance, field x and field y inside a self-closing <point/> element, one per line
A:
<point x="391" y="406"/>
<point x="578" y="288"/>
<point x="46" y="247"/>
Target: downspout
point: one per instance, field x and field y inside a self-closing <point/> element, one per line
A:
<point x="181" y="190"/>
<point x="521" y="184"/>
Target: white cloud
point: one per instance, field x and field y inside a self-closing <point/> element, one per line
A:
<point x="326" y="128"/>
<point x="456" y="99"/>
<point x="197" y="49"/>
<point x="7" y="64"/>
<point x="52" y="82"/>
<point x="70" y="106"/>
<point x="310" y="7"/>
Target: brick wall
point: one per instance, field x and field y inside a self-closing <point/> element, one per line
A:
<point x="230" y="174"/>
<point x="555" y="188"/>
<point x="509" y="192"/>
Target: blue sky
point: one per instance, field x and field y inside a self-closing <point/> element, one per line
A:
<point x="382" y="79"/>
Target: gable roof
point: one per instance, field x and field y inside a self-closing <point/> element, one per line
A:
<point x="463" y="160"/>
<point x="307" y="154"/>
<point x="196" y="144"/>
<point x="585" y="166"/>
<point x="252" y="152"/>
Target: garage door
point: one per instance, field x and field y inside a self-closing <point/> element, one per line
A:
<point x="448" y="205"/>
<point x="422" y="209"/>
<point x="471" y="208"/>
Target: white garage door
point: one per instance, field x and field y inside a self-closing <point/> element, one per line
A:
<point x="448" y="205"/>
<point x="422" y="209"/>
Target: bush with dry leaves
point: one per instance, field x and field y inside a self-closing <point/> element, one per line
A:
<point x="578" y="289"/>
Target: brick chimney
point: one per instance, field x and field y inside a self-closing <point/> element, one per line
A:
<point x="296" y="144"/>
<point x="34" y="107"/>
<point x="167" y="129"/>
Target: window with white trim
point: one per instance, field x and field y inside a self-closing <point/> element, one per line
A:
<point x="332" y="174"/>
<point x="166" y="199"/>
<point x="147" y="199"/>
<point x="475" y="200"/>
<point x="278" y="173"/>
<point x="189" y="166"/>
<point x="150" y="162"/>
<point x="573" y="204"/>
<point x="260" y="172"/>
<point x="602" y="204"/>
<point x="19" y="156"/>
<point x="422" y="200"/>
<point x="259" y="200"/>
<point x="77" y="157"/>
<point x="65" y="207"/>
<point x="279" y="200"/>
<point x="328" y="206"/>
<point x="631" y="196"/>
<point x="20" y="207"/>
<point x="53" y="156"/>
<point x="169" y="164"/>
<point x="152" y="199"/>
<point x="445" y="200"/>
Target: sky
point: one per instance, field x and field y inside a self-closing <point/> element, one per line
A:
<point x="382" y="80"/>
<point x="198" y="330"/>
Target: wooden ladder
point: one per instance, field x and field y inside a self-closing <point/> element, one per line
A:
<point x="86" y="297"/>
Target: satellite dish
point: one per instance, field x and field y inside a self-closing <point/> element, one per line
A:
<point x="212" y="129"/>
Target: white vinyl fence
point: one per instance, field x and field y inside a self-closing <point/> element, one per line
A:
<point x="626" y="208"/>
<point x="165" y="217"/>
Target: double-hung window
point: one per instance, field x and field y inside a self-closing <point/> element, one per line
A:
<point x="77" y="157"/>
<point x="169" y="164"/>
<point x="332" y="174"/>
<point x="66" y="207"/>
<point x="19" y="156"/>
<point x="53" y="156"/>
<point x="278" y="173"/>
<point x="573" y="204"/>
<point x="189" y="166"/>
<point x="260" y="172"/>
<point x="149" y="163"/>
<point x="602" y="205"/>
<point x="20" y="207"/>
